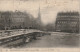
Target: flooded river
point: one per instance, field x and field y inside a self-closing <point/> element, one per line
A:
<point x="54" y="40"/>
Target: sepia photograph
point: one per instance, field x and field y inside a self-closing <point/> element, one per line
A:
<point x="39" y="24"/>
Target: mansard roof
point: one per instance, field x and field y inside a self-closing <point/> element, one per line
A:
<point x="68" y="14"/>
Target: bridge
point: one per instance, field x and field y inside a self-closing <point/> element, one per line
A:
<point x="19" y="36"/>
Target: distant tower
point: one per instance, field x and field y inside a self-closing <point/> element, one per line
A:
<point x="39" y="16"/>
<point x="39" y="22"/>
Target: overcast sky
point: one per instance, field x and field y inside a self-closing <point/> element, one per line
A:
<point x="49" y="8"/>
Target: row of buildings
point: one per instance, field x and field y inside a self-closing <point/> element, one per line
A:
<point x="67" y="22"/>
<point x="17" y="19"/>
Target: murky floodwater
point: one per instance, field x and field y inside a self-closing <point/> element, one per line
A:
<point x="54" y="40"/>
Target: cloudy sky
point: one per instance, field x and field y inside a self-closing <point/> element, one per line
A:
<point x="49" y="8"/>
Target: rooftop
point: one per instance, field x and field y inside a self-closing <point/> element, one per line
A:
<point x="68" y="14"/>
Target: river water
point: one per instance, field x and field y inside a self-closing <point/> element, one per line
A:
<point x="54" y="40"/>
